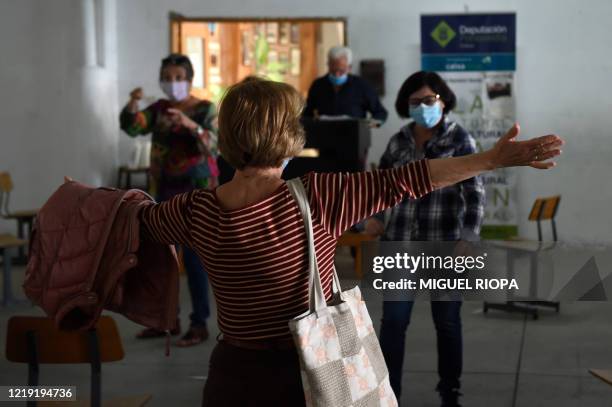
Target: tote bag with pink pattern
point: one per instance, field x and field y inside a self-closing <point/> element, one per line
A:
<point x="340" y="358"/>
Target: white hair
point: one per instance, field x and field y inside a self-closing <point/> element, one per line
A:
<point x="340" y="52"/>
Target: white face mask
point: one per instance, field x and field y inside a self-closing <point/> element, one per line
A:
<point x="176" y="91"/>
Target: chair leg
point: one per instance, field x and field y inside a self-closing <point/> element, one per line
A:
<point x="32" y="364"/>
<point x="96" y="370"/>
<point x="7" y="288"/>
<point x="29" y="224"/>
<point x="21" y="235"/>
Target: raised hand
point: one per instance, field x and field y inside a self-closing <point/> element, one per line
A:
<point x="508" y="152"/>
<point x="136" y="94"/>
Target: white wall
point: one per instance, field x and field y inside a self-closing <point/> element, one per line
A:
<point x="59" y="106"/>
<point x="563" y="81"/>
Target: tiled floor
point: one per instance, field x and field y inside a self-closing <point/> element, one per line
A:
<point x="556" y="353"/>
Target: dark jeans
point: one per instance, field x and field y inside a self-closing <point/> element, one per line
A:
<point x="240" y="377"/>
<point x="447" y="320"/>
<point x="197" y="280"/>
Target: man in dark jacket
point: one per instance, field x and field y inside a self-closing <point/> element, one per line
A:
<point x="341" y="93"/>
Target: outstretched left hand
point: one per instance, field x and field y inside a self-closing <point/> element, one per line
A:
<point x="535" y="152"/>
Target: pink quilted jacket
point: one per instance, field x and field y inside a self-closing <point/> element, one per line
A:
<point x="87" y="254"/>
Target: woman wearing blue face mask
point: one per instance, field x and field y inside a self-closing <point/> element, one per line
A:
<point x="183" y="158"/>
<point x="453" y="213"/>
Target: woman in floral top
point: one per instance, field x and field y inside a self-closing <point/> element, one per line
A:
<point x="183" y="158"/>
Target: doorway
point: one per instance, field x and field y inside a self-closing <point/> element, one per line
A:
<point x="224" y="51"/>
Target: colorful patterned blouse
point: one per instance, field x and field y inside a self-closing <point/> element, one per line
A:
<point x="181" y="160"/>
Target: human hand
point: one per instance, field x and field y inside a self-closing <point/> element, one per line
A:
<point x="136" y="94"/>
<point x="374" y="227"/>
<point x="179" y="118"/>
<point x="508" y="152"/>
<point x="67" y="179"/>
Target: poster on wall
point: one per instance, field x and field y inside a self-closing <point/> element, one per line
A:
<point x="475" y="54"/>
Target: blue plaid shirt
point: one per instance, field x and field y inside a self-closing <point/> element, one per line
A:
<point x="451" y="213"/>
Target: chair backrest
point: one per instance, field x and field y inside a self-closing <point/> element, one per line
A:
<point x="6" y="183"/>
<point x="545" y="209"/>
<point x="6" y="186"/>
<point x="57" y="346"/>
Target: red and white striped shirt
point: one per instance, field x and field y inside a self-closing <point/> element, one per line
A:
<point x="256" y="256"/>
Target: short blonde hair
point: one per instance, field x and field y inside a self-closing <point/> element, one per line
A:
<point x="259" y="123"/>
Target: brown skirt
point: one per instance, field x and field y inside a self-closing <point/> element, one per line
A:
<point x="253" y="378"/>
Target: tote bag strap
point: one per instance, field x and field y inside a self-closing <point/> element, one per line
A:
<point x="316" y="297"/>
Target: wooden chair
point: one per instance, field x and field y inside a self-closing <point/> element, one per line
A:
<point x="354" y="240"/>
<point x="36" y="340"/>
<point x="8" y="243"/>
<point x="543" y="209"/>
<point x="24" y="218"/>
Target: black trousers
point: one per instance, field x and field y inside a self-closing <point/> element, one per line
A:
<point x="447" y="320"/>
<point x="239" y="377"/>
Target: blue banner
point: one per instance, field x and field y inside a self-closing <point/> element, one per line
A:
<point x="468" y="42"/>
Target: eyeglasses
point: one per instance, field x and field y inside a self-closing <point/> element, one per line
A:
<point x="427" y="100"/>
